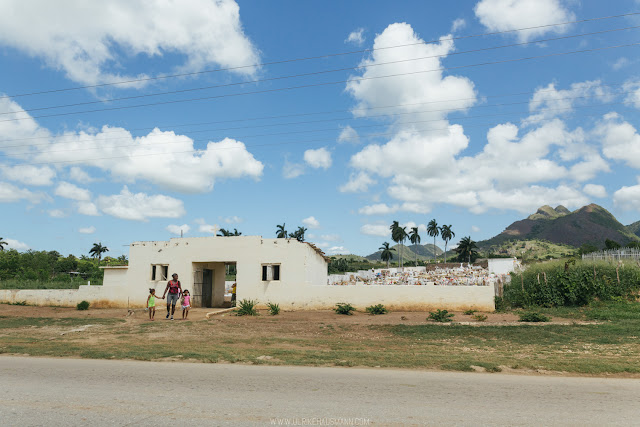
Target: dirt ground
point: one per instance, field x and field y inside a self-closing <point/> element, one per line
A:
<point x="299" y="317"/>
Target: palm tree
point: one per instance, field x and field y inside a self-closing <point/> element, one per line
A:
<point x="402" y="231"/>
<point x="387" y="253"/>
<point x="298" y="234"/>
<point x="281" y="233"/>
<point x="224" y="233"/>
<point x="467" y="250"/>
<point x="236" y="232"/>
<point x="97" y="250"/>
<point x="447" y="234"/>
<point x="433" y="230"/>
<point x="414" y="238"/>
<point x="398" y="235"/>
<point x="2" y="244"/>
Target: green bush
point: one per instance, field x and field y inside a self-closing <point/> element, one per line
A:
<point x="246" y="307"/>
<point x="533" y="316"/>
<point x="377" y="309"/>
<point x="480" y="317"/>
<point x="344" y="308"/>
<point x="555" y="284"/>
<point x="18" y="303"/>
<point x="440" y="316"/>
<point x="274" y="309"/>
<point x="83" y="305"/>
<point x="470" y="312"/>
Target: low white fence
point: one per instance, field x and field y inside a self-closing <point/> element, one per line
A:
<point x="613" y="255"/>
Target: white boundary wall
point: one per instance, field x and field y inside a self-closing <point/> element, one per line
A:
<point x="302" y="285"/>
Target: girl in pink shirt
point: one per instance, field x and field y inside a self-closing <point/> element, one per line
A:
<point x="186" y="303"/>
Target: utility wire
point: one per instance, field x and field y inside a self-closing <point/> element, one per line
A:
<point x="168" y="142"/>
<point x="314" y="73"/>
<point x="327" y="83"/>
<point x="281" y="116"/>
<point x="123" y="82"/>
<point x="341" y="118"/>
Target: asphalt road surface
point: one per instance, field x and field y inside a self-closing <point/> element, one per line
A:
<point x="70" y="392"/>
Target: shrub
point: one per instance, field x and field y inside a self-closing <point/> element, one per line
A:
<point x="18" y="303"/>
<point x="556" y="284"/>
<point x="480" y="317"/>
<point x="377" y="309"/>
<point x="440" y="316"/>
<point x="470" y="312"/>
<point x="533" y="316"/>
<point x="274" y="309"/>
<point x="83" y="305"/>
<point x="344" y="308"/>
<point x="246" y="307"/>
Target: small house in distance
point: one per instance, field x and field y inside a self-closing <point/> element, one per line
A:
<point x="275" y="270"/>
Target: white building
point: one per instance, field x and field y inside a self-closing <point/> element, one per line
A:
<point x="265" y="268"/>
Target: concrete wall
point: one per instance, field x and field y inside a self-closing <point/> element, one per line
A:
<point x="502" y="265"/>
<point x="98" y="296"/>
<point x="421" y="298"/>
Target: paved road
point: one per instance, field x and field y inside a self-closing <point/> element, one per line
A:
<point x="67" y="392"/>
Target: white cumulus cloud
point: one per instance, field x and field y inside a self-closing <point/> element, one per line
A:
<point x="311" y="222"/>
<point x="178" y="229"/>
<point x="87" y="230"/>
<point x="71" y="191"/>
<point x="628" y="197"/>
<point x="16" y="244"/>
<point x="29" y="175"/>
<point x="375" y="230"/>
<point x="89" y="41"/>
<point x="595" y="190"/>
<point x="140" y="206"/>
<point x="507" y="15"/>
<point x="356" y="37"/>
<point x="318" y="159"/>
<point x="378" y="209"/>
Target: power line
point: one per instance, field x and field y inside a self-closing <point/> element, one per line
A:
<point x="344" y="118"/>
<point x="316" y="57"/>
<point x="326" y="83"/>
<point x="331" y="129"/>
<point x="171" y="126"/>
<point x="314" y="73"/>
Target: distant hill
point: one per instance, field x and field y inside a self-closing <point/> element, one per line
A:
<point x="634" y="228"/>
<point x="590" y="224"/>
<point x="425" y="252"/>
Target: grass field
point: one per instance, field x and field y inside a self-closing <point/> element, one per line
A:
<point x="609" y="347"/>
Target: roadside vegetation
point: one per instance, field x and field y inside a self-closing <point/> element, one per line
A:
<point x="52" y="270"/>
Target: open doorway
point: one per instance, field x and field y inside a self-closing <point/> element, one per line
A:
<point x="210" y="284"/>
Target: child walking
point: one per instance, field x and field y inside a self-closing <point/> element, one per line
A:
<point x="186" y="303"/>
<point x="151" y="303"/>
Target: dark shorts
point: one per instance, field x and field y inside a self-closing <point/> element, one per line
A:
<point x="172" y="299"/>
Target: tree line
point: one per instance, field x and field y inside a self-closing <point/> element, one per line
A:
<point x="466" y="248"/>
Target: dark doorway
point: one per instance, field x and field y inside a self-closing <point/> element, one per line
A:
<point x="207" y="288"/>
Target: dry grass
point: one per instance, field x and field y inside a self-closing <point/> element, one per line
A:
<point x="327" y="339"/>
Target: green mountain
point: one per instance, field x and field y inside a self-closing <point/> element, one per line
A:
<point x="634" y="228"/>
<point x="425" y="252"/>
<point x="590" y="224"/>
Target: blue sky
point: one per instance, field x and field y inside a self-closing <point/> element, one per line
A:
<point x="410" y="127"/>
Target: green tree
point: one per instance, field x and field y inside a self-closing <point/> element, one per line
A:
<point x="587" y="248"/>
<point x="387" y="253"/>
<point x="2" y="244"/>
<point x="414" y="237"/>
<point x="467" y="250"/>
<point x="433" y="230"/>
<point x="281" y="232"/>
<point x="447" y="234"/>
<point x="97" y="250"/>
<point x="398" y="235"/>
<point x="611" y="244"/>
<point x="298" y="234"/>
<point x="223" y="232"/>
<point x="236" y="232"/>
